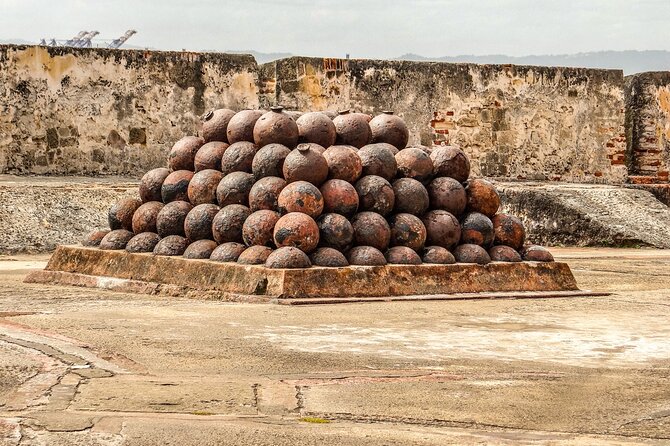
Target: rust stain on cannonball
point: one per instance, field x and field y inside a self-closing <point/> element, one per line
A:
<point x="449" y="161"/>
<point x="447" y="194"/>
<point x="143" y="242"/>
<point x="469" y="253"/>
<point x="175" y="186"/>
<point x="170" y="219"/>
<point x="255" y="255"/>
<point x="116" y="239"/>
<point x="343" y="163"/>
<point x="209" y="156"/>
<point x="390" y="129"/>
<point x="151" y="184"/>
<point x="402" y="255"/>
<point x="366" y="256"/>
<point x="93" y="238"/>
<point x="182" y="154"/>
<point x="375" y="194"/>
<point x="328" y="257"/>
<point x="241" y="126"/>
<point x="298" y="230"/>
<point x="264" y="194"/>
<point x="306" y="163"/>
<point x="200" y="249"/>
<point x="120" y="215"/>
<point x="198" y="222"/>
<point x="203" y="186"/>
<point x="215" y="124"/>
<point x="379" y="159"/>
<point x="316" y="127"/>
<point x="276" y="126"/>
<point x="410" y="196"/>
<point x="508" y="230"/>
<point x="238" y="157"/>
<point x="371" y="229"/>
<point x="269" y="161"/>
<point x="437" y="255"/>
<point x="259" y="227"/>
<point x="145" y="217"/>
<point x="339" y="197"/>
<point x="407" y="230"/>
<point x="287" y="257"/>
<point x="414" y="163"/>
<point x="442" y="229"/>
<point x="503" y="253"/>
<point x="227" y="252"/>
<point x="477" y="229"/>
<point x="228" y="223"/>
<point x="352" y="129"/>
<point x="535" y="253"/>
<point x="482" y="197"/>
<point x="172" y="245"/>
<point x="301" y="196"/>
<point x="234" y="188"/>
<point x="335" y="231"/>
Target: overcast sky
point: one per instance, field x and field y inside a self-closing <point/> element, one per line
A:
<point x="371" y="29"/>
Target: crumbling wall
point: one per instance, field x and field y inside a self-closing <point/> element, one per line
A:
<point x="99" y="111"/>
<point x="514" y="122"/>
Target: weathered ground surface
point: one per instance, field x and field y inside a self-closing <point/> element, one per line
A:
<point x="89" y="367"/>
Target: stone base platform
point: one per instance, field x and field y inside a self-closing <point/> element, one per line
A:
<point x="175" y="276"/>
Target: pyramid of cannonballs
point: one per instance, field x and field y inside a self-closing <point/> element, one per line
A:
<point x="291" y="190"/>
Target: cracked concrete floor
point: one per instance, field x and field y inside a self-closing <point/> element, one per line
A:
<point x="89" y="367"/>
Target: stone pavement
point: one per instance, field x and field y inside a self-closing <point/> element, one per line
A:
<point x="91" y="367"/>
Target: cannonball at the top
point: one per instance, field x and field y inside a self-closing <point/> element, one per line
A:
<point x="508" y="230"/>
<point x="449" y="161"/>
<point x="234" y="188"/>
<point x="209" y="156"/>
<point x="410" y="196"/>
<point x="170" y="219"/>
<point x="215" y="124"/>
<point x="175" y="186"/>
<point x="469" y="253"/>
<point x="306" y="163"/>
<point x="414" y="163"/>
<point x="379" y="159"/>
<point x="339" y="197"/>
<point x="352" y="129"/>
<point x="116" y="239"/>
<point x="120" y="215"/>
<point x="276" y="126"/>
<point x="365" y="256"/>
<point x="298" y="230"/>
<point x="447" y="194"/>
<point x="371" y="229"/>
<point x="328" y="257"/>
<point x="301" y="196"/>
<point x="198" y="222"/>
<point x="316" y="127"/>
<point x="202" y="187"/>
<point x="287" y="257"/>
<point x="264" y="194"/>
<point x="182" y="154"/>
<point x="375" y="194"/>
<point x="151" y="184"/>
<point x="269" y="161"/>
<point x="390" y="129"/>
<point x="145" y="217"/>
<point x="402" y="255"/>
<point x="482" y="197"/>
<point x="143" y="242"/>
<point x="238" y="157"/>
<point x="241" y="126"/>
<point x="535" y="253"/>
<point x="200" y="249"/>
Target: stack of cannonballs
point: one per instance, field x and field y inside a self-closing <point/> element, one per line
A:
<point x="291" y="190"/>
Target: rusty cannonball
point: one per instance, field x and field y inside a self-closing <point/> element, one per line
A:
<point x="306" y="163"/>
<point x="298" y="230"/>
<point x="175" y="186"/>
<point x="228" y="222"/>
<point x="332" y="114"/>
<point x="264" y="194"/>
<point x="182" y="154"/>
<point x="402" y="255"/>
<point x="172" y="245"/>
<point x="151" y="184"/>
<point x="407" y="230"/>
<point x="371" y="229"/>
<point x="343" y="163"/>
<point x="94" y="238"/>
<point x="209" y="156"/>
<point x="339" y="197"/>
<point x="442" y="229"/>
<point x="234" y="188"/>
<point x="238" y="157"/>
<point x="535" y="253"/>
<point x="449" y="161"/>
<point x="390" y="129"/>
<point x="144" y="218"/>
<point x="379" y="159"/>
<point x="276" y="126"/>
<point x="508" y="230"/>
<point x="410" y="196"/>
<point x="116" y="239"/>
<point x="477" y="229"/>
<point x="227" y="252"/>
<point x="366" y="256"/>
<point x="269" y="161"/>
<point x="241" y="126"/>
<point x="437" y="255"/>
<point x="447" y="194"/>
<point x="335" y="231"/>
<point x="470" y="253"/>
<point x="287" y="257"/>
<point x="170" y="219"/>
<point x="215" y="124"/>
<point x="203" y="186"/>
<point x="427" y="150"/>
<point x="120" y="215"/>
<point x="143" y="242"/>
<point x="200" y="249"/>
<point x="328" y="257"/>
<point x="301" y="196"/>
<point x="352" y="129"/>
<point x="375" y="194"/>
<point x="316" y="127"/>
<point x="255" y="255"/>
<point x="482" y="197"/>
<point x="198" y="222"/>
<point x="259" y="227"/>
<point x="503" y="253"/>
<point x="414" y="163"/>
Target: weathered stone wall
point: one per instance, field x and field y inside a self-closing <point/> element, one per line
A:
<point x="98" y="111"/>
<point x="513" y="121"/>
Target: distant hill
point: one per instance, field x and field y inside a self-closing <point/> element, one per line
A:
<point x="261" y="58"/>
<point x="629" y="61"/>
